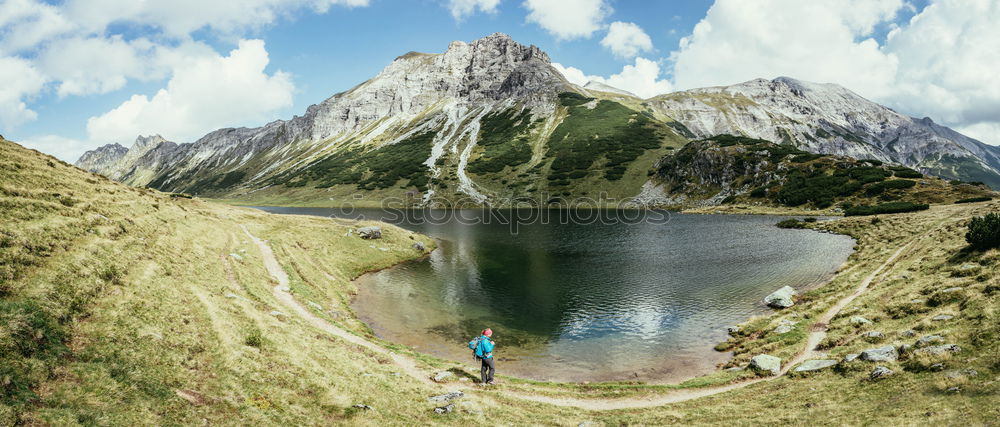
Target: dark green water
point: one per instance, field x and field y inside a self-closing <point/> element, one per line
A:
<point x="592" y="301"/>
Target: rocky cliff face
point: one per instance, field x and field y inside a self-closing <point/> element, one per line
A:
<point x="492" y="119"/>
<point x="829" y="119"/>
<point x="102" y="159"/>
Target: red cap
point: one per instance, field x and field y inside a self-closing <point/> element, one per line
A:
<point x="488" y="332"/>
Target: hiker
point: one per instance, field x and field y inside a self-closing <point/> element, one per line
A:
<point x="483" y="351"/>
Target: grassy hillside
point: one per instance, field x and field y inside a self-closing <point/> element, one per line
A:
<point x="124" y="306"/>
<point x="736" y="170"/>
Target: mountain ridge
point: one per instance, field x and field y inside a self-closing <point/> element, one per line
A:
<point x="450" y="96"/>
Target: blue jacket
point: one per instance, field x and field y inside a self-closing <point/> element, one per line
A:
<point x="485" y="348"/>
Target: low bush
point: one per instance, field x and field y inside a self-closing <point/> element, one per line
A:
<point x="791" y="223"/>
<point x="984" y="231"/>
<point x="974" y="199"/>
<point x="886" y="208"/>
<point x="892" y="184"/>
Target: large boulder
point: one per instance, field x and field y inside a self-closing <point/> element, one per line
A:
<point x="881" y="354"/>
<point x="370" y="232"/>
<point x="765" y="364"/>
<point x="781" y="298"/>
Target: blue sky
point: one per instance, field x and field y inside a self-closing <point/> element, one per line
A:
<point x="101" y="71"/>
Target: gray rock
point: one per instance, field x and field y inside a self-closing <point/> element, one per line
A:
<point x="277" y="313"/>
<point x="370" y="232"/>
<point x="950" y="290"/>
<point x="445" y="409"/>
<point x="236" y="256"/>
<point x="734" y="369"/>
<point x="443" y="376"/>
<point x="928" y="340"/>
<point x="917" y="301"/>
<point x="940" y="349"/>
<point x="363" y="407"/>
<point x="941" y="317"/>
<point x="874" y="335"/>
<point x="419" y="246"/>
<point x="851" y="357"/>
<point x="858" y="320"/>
<point x="447" y="397"/>
<point x="732" y="330"/>
<point x="955" y="374"/>
<point x="783" y="329"/>
<point x="905" y="348"/>
<point x="782" y="298"/>
<point x="881" y="354"/>
<point x="909" y="333"/>
<point x="880" y="372"/>
<point x="765" y="363"/>
<point x="815" y="365"/>
<point x="937" y="367"/>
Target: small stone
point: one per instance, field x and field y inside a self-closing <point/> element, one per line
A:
<point x="277" y="313"/>
<point x="314" y="305"/>
<point x="732" y="330"/>
<point x="955" y="374"/>
<point x="782" y="298"/>
<point x="942" y="317"/>
<point x="917" y="301"/>
<point x="447" y="397"/>
<point x="231" y="295"/>
<point x="363" y="407"/>
<point x="873" y="335"/>
<point x="419" y="246"/>
<point x="815" y="365"/>
<point x="881" y="354"/>
<point x="937" y="367"/>
<point x="858" y="320"/>
<point x="445" y="409"/>
<point x="370" y="233"/>
<point x="734" y="369"/>
<point x="909" y="333"/>
<point x="940" y="349"/>
<point x="880" y="372"/>
<point x="950" y="290"/>
<point x="928" y="340"/>
<point x="783" y="329"/>
<point x="954" y="390"/>
<point x="765" y="363"/>
<point x="442" y="376"/>
<point x="236" y="256"/>
<point x="851" y="357"/>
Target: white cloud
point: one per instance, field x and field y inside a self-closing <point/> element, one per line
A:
<point x="65" y="149"/>
<point x="820" y="40"/>
<point x="26" y="23"/>
<point x="627" y="40"/>
<point x="179" y="18"/>
<point x="203" y="94"/>
<point x="642" y="79"/>
<point x="568" y="19"/>
<point x="463" y="8"/>
<point x="20" y="79"/>
<point x="91" y="65"/>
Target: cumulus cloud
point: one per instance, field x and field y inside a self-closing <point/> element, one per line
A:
<point x="462" y="8"/>
<point x="627" y="40"/>
<point x="568" y="19"/>
<point x="20" y="79"/>
<point x="65" y="149"/>
<point x="642" y="78"/>
<point x="203" y="94"/>
<point x="821" y="40"/>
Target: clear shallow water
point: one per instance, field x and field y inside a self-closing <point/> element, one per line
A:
<point x="574" y="302"/>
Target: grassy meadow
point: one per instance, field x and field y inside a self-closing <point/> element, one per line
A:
<point x="126" y="306"/>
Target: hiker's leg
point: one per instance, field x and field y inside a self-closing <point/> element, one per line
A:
<point x="484" y="370"/>
<point x="493" y="369"/>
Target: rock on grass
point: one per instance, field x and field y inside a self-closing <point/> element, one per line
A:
<point x="765" y="363"/>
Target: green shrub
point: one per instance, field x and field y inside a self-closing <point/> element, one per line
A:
<point x="254" y="339"/>
<point x="791" y="223"/>
<point x="984" y="231"/>
<point x="758" y="192"/>
<point x="892" y="184"/>
<point x="809" y="219"/>
<point x="571" y="99"/>
<point x="907" y="173"/>
<point x="974" y="199"/>
<point x="886" y="208"/>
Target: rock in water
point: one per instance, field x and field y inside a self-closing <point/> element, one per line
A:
<point x="880" y="372"/>
<point x="815" y="365"/>
<point x="881" y="354"/>
<point x="369" y="233"/>
<point x="782" y="298"/>
<point x="447" y="397"/>
<point x="765" y="363"/>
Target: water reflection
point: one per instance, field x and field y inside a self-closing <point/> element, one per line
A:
<point x="591" y="301"/>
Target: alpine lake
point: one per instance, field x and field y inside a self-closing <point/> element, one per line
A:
<point x="593" y="295"/>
